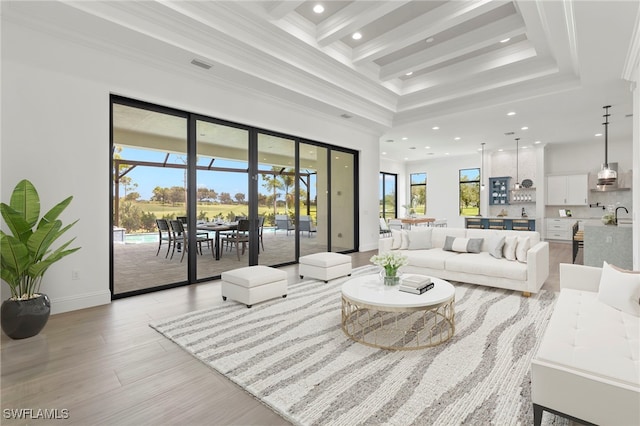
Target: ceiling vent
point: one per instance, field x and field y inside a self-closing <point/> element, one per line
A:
<point x="347" y="116"/>
<point x="200" y="64"/>
<point x="510" y="133"/>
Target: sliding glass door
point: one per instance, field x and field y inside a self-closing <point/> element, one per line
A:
<point x="195" y="196"/>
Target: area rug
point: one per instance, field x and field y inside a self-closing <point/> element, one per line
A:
<point x="293" y="356"/>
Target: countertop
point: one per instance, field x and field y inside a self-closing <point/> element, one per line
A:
<point x="503" y="217"/>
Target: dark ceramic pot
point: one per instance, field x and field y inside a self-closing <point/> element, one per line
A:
<point x="25" y="318"/>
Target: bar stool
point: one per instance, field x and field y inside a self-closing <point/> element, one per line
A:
<point x="520" y="225"/>
<point x="473" y="223"/>
<point x="496" y="224"/>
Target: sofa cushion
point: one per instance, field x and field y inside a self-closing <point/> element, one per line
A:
<point x="620" y="289"/>
<point x="485" y="264"/>
<point x="434" y="258"/>
<point x="400" y="240"/>
<point x="509" y="248"/>
<point x="522" y="248"/>
<point x="587" y="335"/>
<point x="494" y="245"/>
<point x="419" y="239"/>
<point x="439" y="235"/>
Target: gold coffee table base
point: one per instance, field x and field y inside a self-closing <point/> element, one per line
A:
<point x="398" y="328"/>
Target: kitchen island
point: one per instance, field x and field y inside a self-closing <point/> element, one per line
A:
<point x="521" y="223"/>
<point x="609" y="243"/>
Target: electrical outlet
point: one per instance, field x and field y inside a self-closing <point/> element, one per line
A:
<point x="75" y="274"/>
<point x="609" y="239"/>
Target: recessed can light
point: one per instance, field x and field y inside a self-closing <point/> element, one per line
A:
<point x="427" y="147"/>
<point x="511" y="113"/>
<point x="500" y="150"/>
<point x="318" y="8"/>
<point x="598" y="134"/>
<point x="505" y="40"/>
<point x="524" y="128"/>
<point x="456" y="138"/>
<point x="409" y="73"/>
<point x="435" y="128"/>
<point x="405" y="138"/>
<point x="356" y="36"/>
<point x="536" y="142"/>
<point x="384" y="152"/>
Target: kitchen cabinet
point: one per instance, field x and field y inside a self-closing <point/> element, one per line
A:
<point x="499" y="190"/>
<point x="559" y="229"/>
<point x="568" y="190"/>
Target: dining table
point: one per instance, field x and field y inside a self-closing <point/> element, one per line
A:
<point x="417" y="220"/>
<point x="217" y="227"/>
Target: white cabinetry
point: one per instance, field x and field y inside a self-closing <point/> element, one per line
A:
<point x="567" y="190"/>
<point x="559" y="229"/>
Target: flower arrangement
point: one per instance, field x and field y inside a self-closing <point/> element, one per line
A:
<point x="390" y="261"/>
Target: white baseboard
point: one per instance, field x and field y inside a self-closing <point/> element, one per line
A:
<point x="81" y="301"/>
<point x="368" y="247"/>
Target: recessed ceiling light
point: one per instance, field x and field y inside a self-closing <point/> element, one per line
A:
<point x="525" y="147"/>
<point x="505" y="40"/>
<point x="598" y="134"/>
<point x="456" y="138"/>
<point x="435" y="128"/>
<point x="500" y="150"/>
<point x="446" y="153"/>
<point x="318" y="8"/>
<point x="384" y="152"/>
<point x="511" y="113"/>
<point x="405" y="138"/>
<point x="356" y="36"/>
<point x="536" y="142"/>
<point x="427" y="147"/>
<point x="430" y="40"/>
<point x="406" y="158"/>
<point x="524" y="128"/>
<point x="409" y="73"/>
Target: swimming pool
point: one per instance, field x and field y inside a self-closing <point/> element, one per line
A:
<point x="140" y="238"/>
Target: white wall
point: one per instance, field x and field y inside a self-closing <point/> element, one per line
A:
<point x="442" y="185"/>
<point x="55" y="116"/>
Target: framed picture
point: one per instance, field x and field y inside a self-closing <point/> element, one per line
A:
<point x="563" y="213"/>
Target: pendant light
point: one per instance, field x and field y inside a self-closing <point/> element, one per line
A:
<point x="482" y="168"/>
<point x="517" y="184"/>
<point x="607" y="177"/>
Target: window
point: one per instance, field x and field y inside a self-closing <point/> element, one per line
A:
<point x="469" y="192"/>
<point x="388" y="199"/>
<point x="418" y="202"/>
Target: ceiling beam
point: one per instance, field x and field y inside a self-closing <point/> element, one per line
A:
<point x="429" y="24"/>
<point x="280" y="9"/>
<point x="479" y="38"/>
<point x="352" y="18"/>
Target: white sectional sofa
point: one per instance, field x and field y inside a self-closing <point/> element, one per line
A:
<point x="426" y="256"/>
<point x="587" y="365"/>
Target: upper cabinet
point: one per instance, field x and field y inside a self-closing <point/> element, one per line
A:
<point x="499" y="190"/>
<point x="567" y="190"/>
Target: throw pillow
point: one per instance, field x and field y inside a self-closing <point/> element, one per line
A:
<point x="462" y="245"/>
<point x="495" y="244"/>
<point x="419" y="239"/>
<point x="405" y="240"/>
<point x="396" y="241"/>
<point x="524" y="243"/>
<point x="620" y="290"/>
<point x="509" y="249"/>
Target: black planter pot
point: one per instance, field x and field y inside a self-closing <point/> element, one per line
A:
<point x="25" y="318"/>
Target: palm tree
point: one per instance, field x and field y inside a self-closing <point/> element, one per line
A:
<point x="287" y="182"/>
<point x="273" y="183"/>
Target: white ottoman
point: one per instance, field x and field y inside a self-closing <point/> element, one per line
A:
<point x="254" y="284"/>
<point x="325" y="266"/>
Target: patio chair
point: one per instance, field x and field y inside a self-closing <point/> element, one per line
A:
<point x="283" y="222"/>
<point x="239" y="236"/>
<point x="165" y="235"/>
<point x="179" y="235"/>
<point x="395" y="224"/>
<point x="306" y="225"/>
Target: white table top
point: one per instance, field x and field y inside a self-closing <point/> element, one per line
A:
<point x="370" y="290"/>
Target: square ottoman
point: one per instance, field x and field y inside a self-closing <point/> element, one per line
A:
<point x="325" y="266"/>
<point x="254" y="284"/>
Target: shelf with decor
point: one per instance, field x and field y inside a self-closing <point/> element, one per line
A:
<point x="523" y="195"/>
<point x="499" y="190"/>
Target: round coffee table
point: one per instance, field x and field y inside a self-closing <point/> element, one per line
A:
<point x="385" y="317"/>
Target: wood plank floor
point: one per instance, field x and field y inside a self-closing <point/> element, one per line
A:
<point x="106" y="366"/>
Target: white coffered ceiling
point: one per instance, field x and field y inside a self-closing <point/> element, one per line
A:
<point x="562" y="62"/>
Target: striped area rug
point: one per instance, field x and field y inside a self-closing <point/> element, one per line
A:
<point x="292" y="354"/>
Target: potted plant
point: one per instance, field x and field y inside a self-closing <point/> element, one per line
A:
<point x="390" y="262"/>
<point x="25" y="257"/>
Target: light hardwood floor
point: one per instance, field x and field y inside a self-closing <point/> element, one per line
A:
<point x="105" y="365"/>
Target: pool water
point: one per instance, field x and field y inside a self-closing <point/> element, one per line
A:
<point x="140" y="238"/>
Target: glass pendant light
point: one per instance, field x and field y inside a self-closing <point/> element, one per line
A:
<point x="607" y="177"/>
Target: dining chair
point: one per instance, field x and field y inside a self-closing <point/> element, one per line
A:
<point x="384" y="228"/>
<point x="165" y="235"/>
<point x="395" y="224"/>
<point x="239" y="236"/>
<point x="179" y="234"/>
